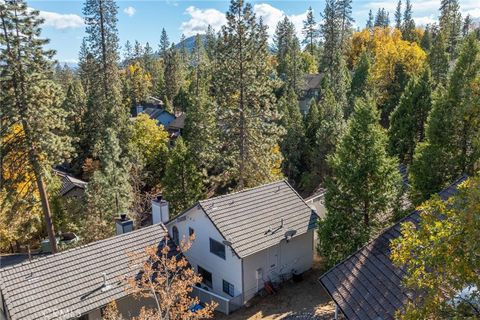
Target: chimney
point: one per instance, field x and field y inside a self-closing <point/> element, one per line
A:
<point x="123" y="224"/>
<point x="160" y="213"/>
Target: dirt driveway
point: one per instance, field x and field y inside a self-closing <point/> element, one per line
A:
<point x="304" y="300"/>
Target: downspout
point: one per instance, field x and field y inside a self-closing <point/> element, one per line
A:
<point x="336" y="312"/>
<point x="243" y="285"/>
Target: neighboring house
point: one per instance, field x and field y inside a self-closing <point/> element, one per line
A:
<point x="79" y="282"/>
<point x="310" y="89"/>
<point x="173" y="123"/>
<point x="366" y="285"/>
<point x="317" y="202"/>
<point x="71" y="186"/>
<point x="247" y="238"/>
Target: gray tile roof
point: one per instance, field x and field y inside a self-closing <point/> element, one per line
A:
<point x="245" y="217"/>
<point x="367" y="285"/>
<point x="69" y="283"/>
<point x="69" y="182"/>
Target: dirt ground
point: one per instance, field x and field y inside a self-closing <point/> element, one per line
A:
<point x="304" y="300"/>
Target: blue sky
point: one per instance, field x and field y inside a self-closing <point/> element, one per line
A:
<point x="144" y="20"/>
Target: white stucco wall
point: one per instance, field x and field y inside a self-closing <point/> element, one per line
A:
<point x="281" y="259"/>
<point x="229" y="269"/>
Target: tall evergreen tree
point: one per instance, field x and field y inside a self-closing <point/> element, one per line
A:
<point x="31" y="102"/>
<point x="291" y="144"/>
<point x="243" y="87"/>
<point x="438" y="59"/>
<point x="310" y="32"/>
<point x="345" y="19"/>
<point x="360" y="86"/>
<point x="127" y="51"/>
<point x="75" y="105"/>
<point x="451" y="147"/>
<point x="164" y="44"/>
<point x="407" y="122"/>
<point x="310" y="153"/>
<point x="467" y="25"/>
<point x="288" y="54"/>
<point x="398" y="15"/>
<point x="382" y="18"/>
<point x="426" y="42"/>
<point x="173" y="77"/>
<point x="182" y="182"/>
<point x="369" y="24"/>
<point x="107" y="116"/>
<point x="210" y="42"/>
<point x="408" y="26"/>
<point x="365" y="187"/>
<point x="450" y="22"/>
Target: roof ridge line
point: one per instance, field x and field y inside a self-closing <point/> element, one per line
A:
<point x="80" y="247"/>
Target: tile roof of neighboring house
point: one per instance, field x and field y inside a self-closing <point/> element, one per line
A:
<point x="178" y="123"/>
<point x="312" y="81"/>
<point x="367" y="285"/>
<point x="244" y="218"/>
<point x="56" y="286"/>
<point x="69" y="182"/>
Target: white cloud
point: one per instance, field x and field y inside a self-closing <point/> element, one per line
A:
<point x="129" y="11"/>
<point x="423" y="21"/>
<point x="271" y="16"/>
<point x="200" y="19"/>
<point x="61" y="21"/>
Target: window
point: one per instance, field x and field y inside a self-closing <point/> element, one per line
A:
<point x="191" y="232"/>
<point x="228" y="288"/>
<point x="217" y="248"/>
<point x="175" y="235"/>
<point x="206" y="276"/>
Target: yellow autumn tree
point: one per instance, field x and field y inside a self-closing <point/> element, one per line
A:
<point x="394" y="60"/>
<point x="137" y="83"/>
<point x="20" y="210"/>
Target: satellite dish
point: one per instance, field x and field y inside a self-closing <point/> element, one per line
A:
<point x="289" y="234"/>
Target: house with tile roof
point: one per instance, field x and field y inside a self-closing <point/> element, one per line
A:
<point x="246" y="239"/>
<point x="70" y="186"/>
<point x="76" y="283"/>
<point x="366" y="285"/>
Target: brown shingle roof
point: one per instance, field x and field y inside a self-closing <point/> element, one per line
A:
<point x="367" y="285"/>
<point x="69" y="283"/>
<point x="245" y="217"/>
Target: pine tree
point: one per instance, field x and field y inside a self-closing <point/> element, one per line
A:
<point x="426" y="42"/>
<point x="345" y="19"/>
<point x="330" y="130"/>
<point x="107" y="117"/>
<point x="382" y="18"/>
<point x="182" y="182"/>
<point x="407" y="127"/>
<point x="369" y="24"/>
<point x="210" y="42"/>
<point x="75" y="105"/>
<point x="127" y="52"/>
<point x="164" y="44"/>
<point x="398" y="15"/>
<point x="291" y="144"/>
<point x="288" y="54"/>
<point x="467" y="25"/>
<point x="452" y="129"/>
<point x="137" y="51"/>
<point x="365" y="187"/>
<point x="450" y="22"/>
<point x="31" y="101"/>
<point x="394" y="90"/>
<point x="335" y="24"/>
<point x="243" y="88"/>
<point x="310" y="32"/>
<point x="173" y="77"/>
<point x="408" y="26"/>
<point x="310" y="153"/>
<point x="439" y="59"/>
<point x="360" y="86"/>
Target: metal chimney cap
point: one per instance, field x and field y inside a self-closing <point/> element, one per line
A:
<point x="123" y="216"/>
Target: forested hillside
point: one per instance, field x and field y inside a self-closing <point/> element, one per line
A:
<point x="391" y="94"/>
